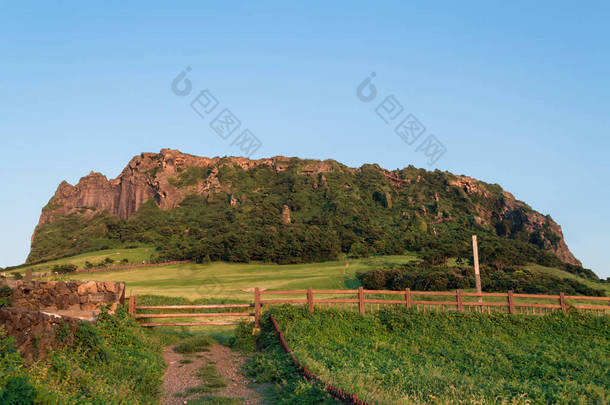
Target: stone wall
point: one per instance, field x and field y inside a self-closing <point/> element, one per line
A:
<point x="66" y="295"/>
<point x="36" y="333"/>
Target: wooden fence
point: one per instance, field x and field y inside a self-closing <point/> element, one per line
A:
<point x="134" y="307"/>
<point x="369" y="301"/>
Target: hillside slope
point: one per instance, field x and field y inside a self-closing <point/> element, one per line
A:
<point x="290" y="210"/>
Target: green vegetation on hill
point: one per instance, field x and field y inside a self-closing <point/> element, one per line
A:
<point x="101" y="258"/>
<point x="355" y="212"/>
<point x="426" y="277"/>
<point x="115" y="362"/>
<point x="237" y="280"/>
<point x="397" y="356"/>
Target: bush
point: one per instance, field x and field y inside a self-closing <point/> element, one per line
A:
<point x="63" y="268"/>
<point x="426" y="277"/>
<point x="17" y="391"/>
<point x="114" y="362"/>
<point x="90" y="342"/>
<point x="244" y="339"/>
<point x="6" y="295"/>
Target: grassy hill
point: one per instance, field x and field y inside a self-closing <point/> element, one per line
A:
<point x="291" y="211"/>
<point x="232" y="280"/>
<point x="132" y="256"/>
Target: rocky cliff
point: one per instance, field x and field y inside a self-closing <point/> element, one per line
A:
<point x="168" y="177"/>
<point x="151" y="175"/>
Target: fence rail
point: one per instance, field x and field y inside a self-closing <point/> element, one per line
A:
<point x="369" y="301"/>
<point x="134" y="307"/>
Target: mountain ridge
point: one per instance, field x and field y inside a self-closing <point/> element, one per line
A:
<point x="169" y="177"/>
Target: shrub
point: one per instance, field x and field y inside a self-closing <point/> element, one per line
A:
<point x="426" y="277"/>
<point x="244" y="339"/>
<point x="114" y="362"/>
<point x="89" y="341"/>
<point x="17" y="391"/>
<point x="6" y="295"/>
<point x="63" y="268"/>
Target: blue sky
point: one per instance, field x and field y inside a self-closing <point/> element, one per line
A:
<point x="518" y="93"/>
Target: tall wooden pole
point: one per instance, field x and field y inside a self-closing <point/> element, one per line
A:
<point x="257" y="306"/>
<point x="477" y="274"/>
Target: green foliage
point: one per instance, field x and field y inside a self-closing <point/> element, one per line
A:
<point x="113" y="362"/>
<point x="63" y="332"/>
<point x="214" y="400"/>
<point x="271" y="365"/>
<point x="426" y="277"/>
<point x="17" y="391"/>
<point x="343" y="211"/>
<point x="194" y="345"/>
<point x="397" y="356"/>
<point x="90" y="342"/>
<point x="244" y="339"/>
<point x="15" y="387"/>
<point x="190" y="176"/>
<point x="6" y="296"/>
<point x="63" y="268"/>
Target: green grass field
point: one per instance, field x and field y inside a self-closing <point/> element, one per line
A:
<point x="565" y="274"/>
<point x="403" y="357"/>
<point x="414" y="358"/>
<point x="235" y="280"/>
<point x="136" y="255"/>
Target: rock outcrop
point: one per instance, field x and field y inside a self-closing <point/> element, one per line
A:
<point x="66" y="295"/>
<point x="520" y="217"/>
<point x="37" y="333"/>
<point x="170" y="176"/>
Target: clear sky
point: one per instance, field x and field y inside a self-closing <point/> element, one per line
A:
<point x="517" y="92"/>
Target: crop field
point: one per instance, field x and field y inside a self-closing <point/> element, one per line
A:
<point x="398" y="357"/>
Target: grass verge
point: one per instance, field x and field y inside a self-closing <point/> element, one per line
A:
<point x="114" y="362"/>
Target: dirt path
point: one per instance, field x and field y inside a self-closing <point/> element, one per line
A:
<point x="181" y="376"/>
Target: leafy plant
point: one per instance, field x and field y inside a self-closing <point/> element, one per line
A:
<point x="6" y="295"/>
<point x="397" y="356"/>
<point x="64" y="268"/>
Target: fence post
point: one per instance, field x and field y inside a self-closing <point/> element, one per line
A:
<point x="408" y="297"/>
<point x="458" y="298"/>
<point x="562" y="302"/>
<point x="257" y="306"/>
<point x="310" y="299"/>
<point x="361" y="300"/>
<point x="132" y="305"/>
<point x="511" y="302"/>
